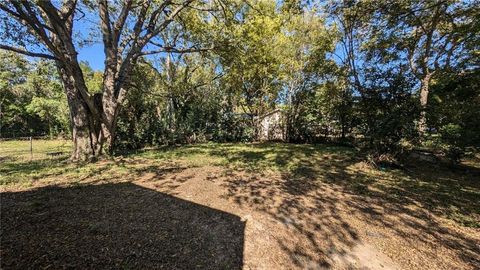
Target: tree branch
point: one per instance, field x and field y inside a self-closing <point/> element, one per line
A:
<point x="165" y="23"/>
<point x="67" y="12"/>
<point x="31" y="21"/>
<point x="105" y="24"/>
<point x="118" y="26"/>
<point x="20" y="16"/>
<point x="25" y="52"/>
<point x="176" y="50"/>
<point x="68" y="9"/>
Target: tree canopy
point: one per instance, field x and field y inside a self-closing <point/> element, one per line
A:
<point x="384" y="75"/>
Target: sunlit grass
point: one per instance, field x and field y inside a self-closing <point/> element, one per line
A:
<point x="22" y="150"/>
<point x="452" y="194"/>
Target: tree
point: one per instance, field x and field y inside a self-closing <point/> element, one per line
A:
<point x="129" y="31"/>
<point x="251" y="63"/>
<point x="455" y="112"/>
<point x="14" y="71"/>
<point x="430" y="36"/>
<point x="48" y="100"/>
<point x="32" y="101"/>
<point x="304" y="70"/>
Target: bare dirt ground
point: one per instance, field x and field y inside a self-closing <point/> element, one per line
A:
<point x="324" y="227"/>
<point x="172" y="215"/>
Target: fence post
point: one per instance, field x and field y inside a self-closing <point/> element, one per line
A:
<point x="31" y="148"/>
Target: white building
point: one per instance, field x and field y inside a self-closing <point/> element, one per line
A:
<point x="271" y="126"/>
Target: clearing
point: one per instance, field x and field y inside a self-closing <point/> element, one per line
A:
<point x="236" y="206"/>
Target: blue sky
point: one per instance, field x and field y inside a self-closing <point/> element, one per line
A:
<point x="94" y="55"/>
<point x="88" y="28"/>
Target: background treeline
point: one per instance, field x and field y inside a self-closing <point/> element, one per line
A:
<point x="384" y="75"/>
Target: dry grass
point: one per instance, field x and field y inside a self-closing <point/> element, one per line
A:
<point x="300" y="206"/>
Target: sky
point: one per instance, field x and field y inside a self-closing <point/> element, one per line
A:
<point x="89" y="28"/>
<point x="94" y="55"/>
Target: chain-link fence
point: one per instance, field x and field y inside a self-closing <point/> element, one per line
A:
<point x="33" y="148"/>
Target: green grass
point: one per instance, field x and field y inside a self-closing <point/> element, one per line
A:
<point x="20" y="149"/>
<point x="249" y="157"/>
<point x="453" y="194"/>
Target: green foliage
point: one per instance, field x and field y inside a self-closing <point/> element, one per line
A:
<point x="53" y="111"/>
<point x="137" y="122"/>
<point x="183" y="104"/>
<point x="387" y="111"/>
<point x="348" y="70"/>
<point x="455" y="112"/>
<point x="252" y="63"/>
<point x="393" y="49"/>
<point x="313" y="117"/>
<point x="49" y="101"/>
<point x="32" y="98"/>
<point x="13" y="77"/>
<point x="93" y="79"/>
<point x="312" y="97"/>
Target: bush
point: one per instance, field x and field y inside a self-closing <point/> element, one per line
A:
<point x="454" y="113"/>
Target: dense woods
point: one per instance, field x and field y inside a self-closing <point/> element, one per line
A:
<point x="385" y="76"/>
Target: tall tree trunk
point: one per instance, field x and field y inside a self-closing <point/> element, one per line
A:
<point x="82" y="120"/>
<point x="93" y="118"/>
<point x="424" y="90"/>
<point x="91" y="130"/>
<point x="82" y="127"/>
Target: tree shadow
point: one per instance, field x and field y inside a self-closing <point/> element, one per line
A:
<point x="115" y="226"/>
<point x="319" y="194"/>
<point x="405" y="204"/>
<point x="170" y="151"/>
<point x="10" y="168"/>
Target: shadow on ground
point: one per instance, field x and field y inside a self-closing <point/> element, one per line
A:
<point x="115" y="226"/>
<point x="321" y="190"/>
<point x="323" y="195"/>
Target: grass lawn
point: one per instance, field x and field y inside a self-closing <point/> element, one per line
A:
<point x="231" y="206"/>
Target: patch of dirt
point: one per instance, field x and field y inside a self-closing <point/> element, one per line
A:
<point x="214" y="218"/>
<point x="363" y="256"/>
<point x="291" y="224"/>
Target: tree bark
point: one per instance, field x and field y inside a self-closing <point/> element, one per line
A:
<point x="92" y="130"/>
<point x="81" y="120"/>
<point x="93" y="117"/>
<point x="424" y="90"/>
